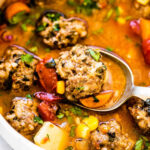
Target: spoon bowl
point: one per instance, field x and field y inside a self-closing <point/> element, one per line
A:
<point x="130" y="89"/>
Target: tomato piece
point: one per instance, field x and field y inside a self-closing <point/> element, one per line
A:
<point x="135" y="27"/>
<point x="47" y="110"/>
<point x="146" y="50"/>
<point x="44" y="96"/>
<point x="47" y="76"/>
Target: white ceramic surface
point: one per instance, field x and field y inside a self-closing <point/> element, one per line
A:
<point x="13" y="138"/>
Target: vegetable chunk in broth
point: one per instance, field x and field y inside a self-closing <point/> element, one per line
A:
<point x="45" y="53"/>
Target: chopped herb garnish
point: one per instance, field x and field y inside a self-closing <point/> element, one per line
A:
<point x="41" y="27"/>
<point x="98" y="31"/>
<point x="109" y="48"/>
<point x="76" y="111"/>
<point x="108" y="15"/>
<point x="17" y="18"/>
<point x="80" y="88"/>
<point x="56" y="27"/>
<point x="28" y="96"/>
<point x="95" y="55"/>
<point x="27" y="58"/>
<point x="47" y="136"/>
<point x="28" y="42"/>
<point x="71" y="2"/>
<point x="24" y="27"/>
<point x="95" y="99"/>
<point x="33" y="49"/>
<point x="70" y="119"/>
<point x="60" y="115"/>
<point x="69" y="148"/>
<point x="85" y="7"/>
<point x="38" y="120"/>
<point x="53" y="16"/>
<point x="72" y="131"/>
<point x="117" y="12"/>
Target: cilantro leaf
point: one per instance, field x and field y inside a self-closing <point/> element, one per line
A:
<point x="72" y="131"/>
<point x="38" y="120"/>
<point x="95" y="55"/>
<point x="28" y="96"/>
<point x="27" y="58"/>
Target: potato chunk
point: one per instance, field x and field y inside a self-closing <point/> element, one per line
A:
<point x="51" y="137"/>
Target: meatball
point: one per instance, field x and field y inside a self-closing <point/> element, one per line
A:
<point x="58" y="32"/>
<point x="140" y="111"/>
<point x="109" y="136"/>
<point x="21" y="115"/>
<point x="15" y="73"/>
<point x="83" y="74"/>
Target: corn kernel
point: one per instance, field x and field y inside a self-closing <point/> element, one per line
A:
<point x="82" y="131"/>
<point x="143" y="2"/>
<point x="1" y="110"/>
<point x="121" y="20"/>
<point x="91" y="122"/>
<point x="60" y="87"/>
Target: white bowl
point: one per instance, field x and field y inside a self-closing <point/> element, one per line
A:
<point x="13" y="138"/>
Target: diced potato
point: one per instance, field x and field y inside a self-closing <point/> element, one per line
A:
<point x="60" y="87"/>
<point x="83" y="131"/>
<point x="51" y="137"/>
<point x="91" y="122"/>
<point x="143" y="2"/>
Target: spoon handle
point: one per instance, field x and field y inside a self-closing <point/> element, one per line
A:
<point x="141" y="92"/>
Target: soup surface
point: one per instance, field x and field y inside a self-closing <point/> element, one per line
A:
<point x="113" y="35"/>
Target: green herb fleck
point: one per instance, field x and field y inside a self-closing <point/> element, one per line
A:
<point x="98" y="31"/>
<point x="95" y="55"/>
<point x="117" y="12"/>
<point x="60" y="115"/>
<point x="53" y="16"/>
<point x="76" y="111"/>
<point x="27" y="58"/>
<point x="80" y="88"/>
<point x="109" y="49"/>
<point x="142" y="144"/>
<point x="47" y="136"/>
<point x="17" y="18"/>
<point x="108" y="15"/>
<point x="69" y="148"/>
<point x="38" y="120"/>
<point x="28" y="96"/>
<point x="33" y="49"/>
<point x="72" y="131"/>
<point x="95" y="99"/>
<point x="28" y="42"/>
<point x="56" y="27"/>
<point x="24" y="27"/>
<point x="41" y="27"/>
<point x="70" y="119"/>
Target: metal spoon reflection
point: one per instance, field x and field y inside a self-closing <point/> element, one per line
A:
<point x="130" y="89"/>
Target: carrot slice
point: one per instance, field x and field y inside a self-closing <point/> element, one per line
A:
<point x="145" y="28"/>
<point x="15" y="8"/>
<point x="97" y="101"/>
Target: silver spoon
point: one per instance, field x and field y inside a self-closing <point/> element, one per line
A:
<point x="130" y="89"/>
